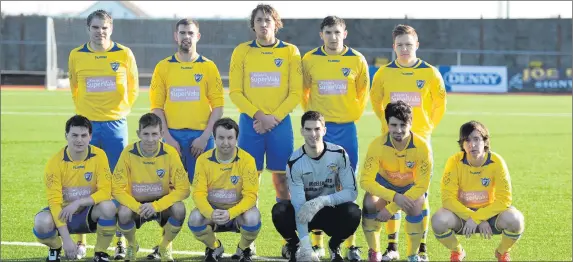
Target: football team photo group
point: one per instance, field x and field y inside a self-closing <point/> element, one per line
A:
<point x="187" y="148"/>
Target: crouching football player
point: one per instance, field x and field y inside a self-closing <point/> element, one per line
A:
<point x="476" y="196"/>
<point x="78" y="185"/>
<point x="141" y="184"/>
<point x="323" y="187"/>
<point x="225" y="192"/>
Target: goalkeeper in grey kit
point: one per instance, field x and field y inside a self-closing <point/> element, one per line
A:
<point x="323" y="188"/>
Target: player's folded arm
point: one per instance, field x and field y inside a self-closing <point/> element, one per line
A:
<point x="249" y="191"/>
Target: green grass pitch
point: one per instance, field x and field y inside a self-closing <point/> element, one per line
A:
<point x="532" y="133"/>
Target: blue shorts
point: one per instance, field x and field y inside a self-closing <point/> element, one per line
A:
<point x="400" y="190"/>
<point x="185" y="137"/>
<point x="82" y="222"/>
<point x="491" y="221"/>
<point x="111" y="137"/>
<point x="344" y="135"/>
<point x="277" y="145"/>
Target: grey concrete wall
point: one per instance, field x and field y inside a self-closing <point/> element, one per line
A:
<point x="152" y="40"/>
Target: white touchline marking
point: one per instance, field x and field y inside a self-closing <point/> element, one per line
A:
<point x="141" y="250"/>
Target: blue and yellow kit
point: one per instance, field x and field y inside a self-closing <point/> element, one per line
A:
<point x="67" y="180"/>
<point x="139" y="179"/>
<point x="387" y="171"/>
<point x="105" y="84"/>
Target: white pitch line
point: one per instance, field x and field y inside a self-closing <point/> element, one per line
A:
<point x="141" y="250"/>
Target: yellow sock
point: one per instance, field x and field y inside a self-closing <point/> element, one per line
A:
<point x="128" y="230"/>
<point x="206" y="235"/>
<point x="414" y="231"/>
<point x="371" y="229"/>
<point x="170" y="231"/>
<point x="449" y="240"/>
<point x="248" y="235"/>
<point x="50" y="239"/>
<point x="81" y="238"/>
<point x="317" y="238"/>
<point x="350" y="241"/>
<point x="393" y="227"/>
<point x="105" y="232"/>
<point x="508" y="239"/>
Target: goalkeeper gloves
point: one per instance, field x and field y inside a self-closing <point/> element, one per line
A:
<point x="310" y="208"/>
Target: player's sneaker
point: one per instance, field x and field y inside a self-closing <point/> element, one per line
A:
<point x="335" y="255"/>
<point x="374" y="256"/>
<point x="119" y="251"/>
<point x="306" y="254"/>
<point x="246" y="255"/>
<point x="423" y="256"/>
<point x="213" y="255"/>
<point x="413" y="258"/>
<point x="353" y="254"/>
<point x="390" y="255"/>
<point x="82" y="251"/>
<point x="54" y="254"/>
<point x="239" y="251"/>
<point x="289" y="251"/>
<point x="320" y="252"/>
<point x="458" y="256"/>
<point x="101" y="257"/>
<point x="131" y="253"/>
<point x="154" y="254"/>
<point x="502" y="257"/>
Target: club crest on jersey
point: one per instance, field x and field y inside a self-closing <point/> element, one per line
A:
<point x="420" y="83"/>
<point x="234" y="179"/>
<point x="278" y="62"/>
<point x="114" y="66"/>
<point x="333" y="168"/>
<point x="485" y="181"/>
<point x="410" y="164"/>
<point x="198" y="77"/>
<point x="160" y="173"/>
<point x="346" y="71"/>
<point x="88" y="176"/>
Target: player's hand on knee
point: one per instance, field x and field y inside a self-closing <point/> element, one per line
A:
<point x="67" y="213"/>
<point x="403" y="202"/>
<point x="147" y="210"/>
<point x="384" y="215"/>
<point x="310" y="208"/>
<point x="485" y="230"/>
<point x="469" y="228"/>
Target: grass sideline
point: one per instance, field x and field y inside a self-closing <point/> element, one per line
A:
<point x="532" y="133"/>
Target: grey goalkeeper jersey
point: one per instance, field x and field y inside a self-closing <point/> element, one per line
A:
<point x="330" y="174"/>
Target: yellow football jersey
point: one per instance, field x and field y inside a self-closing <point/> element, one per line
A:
<point x="387" y="170"/>
<point x="105" y="84"/>
<point x="466" y="188"/>
<point x="265" y="78"/>
<point x="233" y="186"/>
<point x="421" y="86"/>
<point x="67" y="180"/>
<point x="335" y="85"/>
<point x="186" y="91"/>
<point x="139" y="179"/>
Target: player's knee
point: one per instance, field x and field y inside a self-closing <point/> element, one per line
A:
<point x="513" y="219"/>
<point x="44" y="223"/>
<point x="442" y="221"/>
<point x="196" y="219"/>
<point x="368" y="205"/>
<point x="178" y="211"/>
<point x="107" y="209"/>
<point x="124" y="215"/>
<point x="280" y="210"/>
<point x="251" y="217"/>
